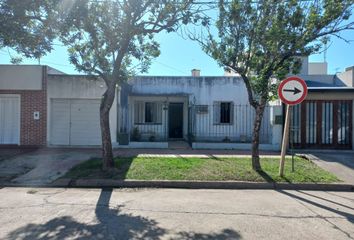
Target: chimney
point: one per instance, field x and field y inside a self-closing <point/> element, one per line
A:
<point x="195" y="73"/>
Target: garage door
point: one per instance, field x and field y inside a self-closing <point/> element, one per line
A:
<point x="9" y="119"/>
<point x="75" y="122"/>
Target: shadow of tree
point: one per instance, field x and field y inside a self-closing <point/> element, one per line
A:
<point x="112" y="224"/>
<point x="228" y="234"/>
<point x="265" y="176"/>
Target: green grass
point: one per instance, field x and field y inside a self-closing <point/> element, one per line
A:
<point x="218" y="169"/>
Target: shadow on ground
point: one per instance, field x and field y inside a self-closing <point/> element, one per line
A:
<point x="343" y="158"/>
<point x="304" y="198"/>
<point x="112" y="224"/>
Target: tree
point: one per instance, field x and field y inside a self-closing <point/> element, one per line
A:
<point x="106" y="38"/>
<point x="25" y="26"/>
<point x="262" y="41"/>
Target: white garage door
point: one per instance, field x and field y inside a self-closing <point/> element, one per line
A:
<point x="75" y="122"/>
<point x="9" y="119"/>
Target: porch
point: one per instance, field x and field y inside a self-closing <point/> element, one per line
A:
<point x="153" y="121"/>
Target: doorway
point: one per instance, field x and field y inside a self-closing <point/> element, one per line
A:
<point x="175" y="122"/>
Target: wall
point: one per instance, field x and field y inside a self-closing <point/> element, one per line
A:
<point x="78" y="87"/>
<point x="23" y="77"/>
<point x="317" y="68"/>
<point x="32" y="132"/>
<point x="347" y="77"/>
<point x="205" y="90"/>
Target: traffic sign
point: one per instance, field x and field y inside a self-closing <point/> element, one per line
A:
<point x="292" y="90"/>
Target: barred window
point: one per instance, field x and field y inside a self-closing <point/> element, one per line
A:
<point x="147" y="112"/>
<point x="223" y="112"/>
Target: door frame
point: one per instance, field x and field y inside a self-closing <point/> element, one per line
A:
<point x="169" y="122"/>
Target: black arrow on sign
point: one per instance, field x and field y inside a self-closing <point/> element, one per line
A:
<point x="295" y="90"/>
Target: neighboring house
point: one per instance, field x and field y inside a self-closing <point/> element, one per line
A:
<point x="325" y="119"/>
<point x="40" y="106"/>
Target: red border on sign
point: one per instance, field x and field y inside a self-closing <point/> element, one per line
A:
<point x="304" y="93"/>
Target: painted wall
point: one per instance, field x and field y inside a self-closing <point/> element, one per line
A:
<point x="21" y="77"/>
<point x="347" y="77"/>
<point x="78" y="87"/>
<point x="205" y="90"/>
<point x="317" y="68"/>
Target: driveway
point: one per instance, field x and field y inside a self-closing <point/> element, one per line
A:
<point x="40" y="166"/>
<point x="337" y="162"/>
<point x="174" y="214"/>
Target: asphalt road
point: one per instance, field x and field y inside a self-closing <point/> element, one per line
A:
<point x="29" y="213"/>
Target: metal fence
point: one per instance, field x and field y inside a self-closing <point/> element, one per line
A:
<point x="205" y="123"/>
<point x="233" y="123"/>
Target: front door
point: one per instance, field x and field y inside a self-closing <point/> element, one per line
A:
<point x="175" y="123"/>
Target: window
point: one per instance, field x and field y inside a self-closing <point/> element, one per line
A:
<point x="223" y="113"/>
<point x="147" y="112"/>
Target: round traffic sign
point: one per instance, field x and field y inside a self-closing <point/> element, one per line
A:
<point x="292" y="90"/>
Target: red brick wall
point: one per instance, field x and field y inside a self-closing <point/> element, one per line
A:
<point x="33" y="132"/>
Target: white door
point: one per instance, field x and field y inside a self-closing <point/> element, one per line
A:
<point x="75" y="122"/>
<point x="9" y="119"/>
<point x="60" y="122"/>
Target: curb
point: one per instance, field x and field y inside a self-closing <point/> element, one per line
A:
<point x="98" y="183"/>
<point x="108" y="183"/>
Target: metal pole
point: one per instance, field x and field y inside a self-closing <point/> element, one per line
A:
<point x="285" y="141"/>
<point x="292" y="149"/>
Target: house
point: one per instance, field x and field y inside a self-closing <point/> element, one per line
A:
<point x="40" y="106"/>
<point x="325" y="119"/>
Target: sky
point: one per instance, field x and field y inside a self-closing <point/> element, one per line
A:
<point x="179" y="55"/>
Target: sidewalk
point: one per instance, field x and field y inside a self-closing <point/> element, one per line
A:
<point x="203" y="153"/>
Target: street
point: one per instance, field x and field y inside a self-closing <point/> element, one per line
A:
<point x="58" y="213"/>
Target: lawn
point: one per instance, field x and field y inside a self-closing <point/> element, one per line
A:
<point x="204" y="169"/>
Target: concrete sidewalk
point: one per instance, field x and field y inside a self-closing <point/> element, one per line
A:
<point x="339" y="163"/>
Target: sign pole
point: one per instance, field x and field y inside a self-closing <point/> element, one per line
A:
<point x="285" y="140"/>
<point x="291" y="91"/>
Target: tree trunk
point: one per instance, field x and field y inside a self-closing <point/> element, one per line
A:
<point x="256" y="165"/>
<point x="107" y="151"/>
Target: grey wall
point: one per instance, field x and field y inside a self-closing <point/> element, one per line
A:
<point x="21" y="77"/>
<point x="205" y="90"/>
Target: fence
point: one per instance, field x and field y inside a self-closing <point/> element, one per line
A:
<point x="222" y="122"/>
<point x="227" y="123"/>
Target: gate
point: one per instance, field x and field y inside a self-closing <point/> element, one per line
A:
<point x="322" y="124"/>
